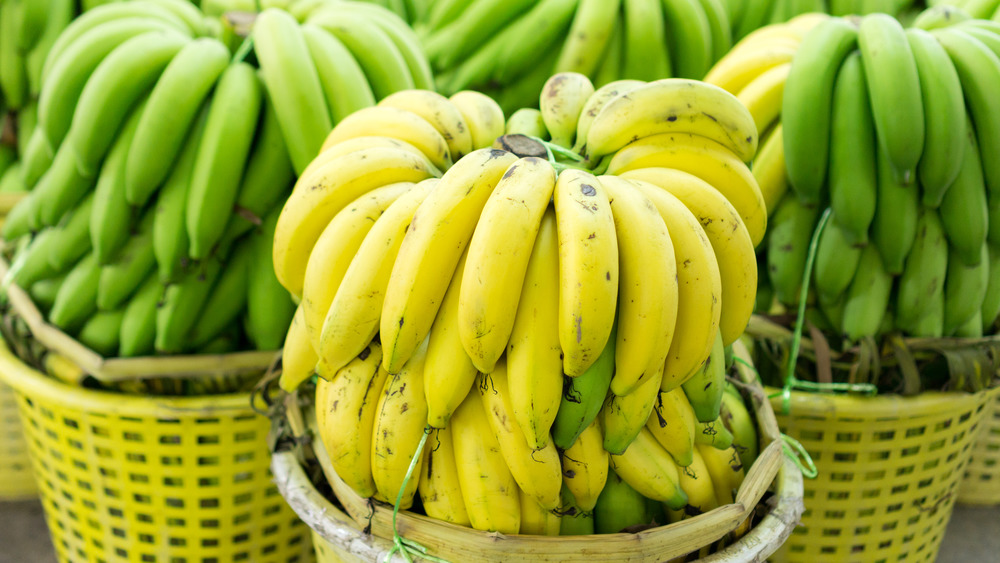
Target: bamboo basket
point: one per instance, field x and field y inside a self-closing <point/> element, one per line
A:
<point x="981" y="485"/>
<point x="889" y="466"/>
<point x="131" y="478"/>
<point x="358" y="530"/>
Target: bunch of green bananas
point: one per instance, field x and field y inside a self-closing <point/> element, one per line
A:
<point x="979" y="9"/>
<point x="509" y="48"/>
<point x="748" y="15"/>
<point x="892" y="129"/>
<point x="570" y="292"/>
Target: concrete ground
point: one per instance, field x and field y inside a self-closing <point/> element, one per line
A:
<point x="973" y="535"/>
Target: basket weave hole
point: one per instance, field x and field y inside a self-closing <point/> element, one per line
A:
<point x="841" y="476"/>
<point x="899" y="489"/>
<point x="138" y="478"/>
<point x="876" y="475"/>
<point x="208" y="460"/>
<point x="848" y="457"/>
<point x="135" y="457"/>
<point x="208" y="503"/>
<point x="170" y="439"/>
<point x="848" y="437"/>
<point x="144" y="518"/>
<point x="871" y="493"/>
<point x="866" y="512"/>
<point x="884" y="436"/>
<point x="905" y="470"/>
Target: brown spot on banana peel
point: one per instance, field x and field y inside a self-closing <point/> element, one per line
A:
<point x="578" y="322"/>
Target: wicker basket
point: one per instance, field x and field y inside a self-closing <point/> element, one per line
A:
<point x="129" y="478"/>
<point x="889" y="469"/>
<point x="357" y="530"/>
<point x="981" y="485"/>
<point x="16" y="480"/>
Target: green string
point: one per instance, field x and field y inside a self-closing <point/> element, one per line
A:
<point x="244" y="49"/>
<point x="794" y="450"/>
<point x="792" y="382"/>
<point x="401" y="544"/>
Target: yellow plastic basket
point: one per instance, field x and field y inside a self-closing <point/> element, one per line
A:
<point x="981" y="485"/>
<point x="16" y="479"/>
<point x="889" y="469"/>
<point x="129" y="478"/>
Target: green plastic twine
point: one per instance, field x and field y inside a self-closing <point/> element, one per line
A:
<point x="401" y="544"/>
<point x="244" y="49"/>
<point x="792" y="382"/>
<point x="795" y="451"/>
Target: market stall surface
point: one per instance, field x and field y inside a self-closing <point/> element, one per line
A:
<point x="973" y="535"/>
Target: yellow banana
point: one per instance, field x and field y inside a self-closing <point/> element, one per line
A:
<point x="596" y="102"/>
<point x="562" y="100"/>
<point x="588" y="268"/>
<point x="649" y="469"/>
<point x="440" y="113"/>
<point x="696" y="482"/>
<point x="769" y="169"/>
<point x="483" y="116"/>
<point x="673" y="425"/>
<point x="624" y="416"/>
<point x="401" y="124"/>
<point x="763" y="95"/>
<point x="742" y="65"/>
<point x="725" y="469"/>
<point x="298" y="358"/>
<point x="357" y="144"/>
<point x="535" y="520"/>
<point x="439" y="487"/>
<point x="585" y="467"/>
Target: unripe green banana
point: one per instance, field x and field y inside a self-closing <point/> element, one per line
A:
<point x="101" y="332"/>
<point x="583" y="396"/>
<point x="713" y="433"/>
<point x="704" y="388"/>
<point x="923" y="276"/>
<point x="619" y="506"/>
<point x="737" y="419"/>
<point x="788" y="243"/>
<point x="32" y="263"/>
<point x="77" y="298"/>
<point x="867" y="299"/>
<point x="36" y="158"/>
<point x="835" y="263"/>
<point x="964" y="211"/>
<point x="932" y="324"/>
<point x="574" y="521"/>
<point x="132" y="265"/>
<point x="59" y="189"/>
<point x="138" y="330"/>
<point x="74" y="236"/>
<point x="269" y="308"/>
<point x="43" y="292"/>
<point x="227" y="299"/>
<point x="182" y="303"/>
<point x="991" y="302"/>
<point x="896" y="212"/>
<point x="964" y="290"/>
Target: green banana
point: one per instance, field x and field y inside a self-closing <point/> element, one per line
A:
<point x="74" y="236"/>
<point x="932" y="324"/>
<point x="77" y="298"/>
<point x="787" y="245"/>
<point x="226" y="300"/>
<point x="170" y="112"/>
<point x="138" y="331"/>
<point x="574" y="521"/>
<point x="963" y="209"/>
<point x="867" y="298"/>
<point x="835" y="263"/>
<point x="588" y="36"/>
<point x="690" y="38"/>
<point x="583" y="396"/>
<point x="43" y="292"/>
<point x="714" y="433"/>
<point x="36" y="157"/>
<point x="102" y="331"/>
<point x="719" y="24"/>
<point x="32" y="263"/>
<point x="269" y="308"/>
<point x="13" y="74"/>
<point x="60" y="14"/>
<point x="343" y="80"/>
<point x="466" y="33"/>
<point x="59" y="189"/>
<point x="182" y="303"/>
<point x="704" y="389"/>
<point x="609" y="69"/>
<point x="941" y="15"/>
<point x="896" y="212"/>
<point x="964" y="290"/>
<point x="123" y="276"/>
<point x="740" y="423"/>
<point x="405" y="40"/>
<point x="924" y="274"/>
<point x="624" y="417"/>
<point x="533" y="33"/>
<point x="619" y="506"/>
<point x="991" y="301"/>
<point x="807" y="102"/>
<point x="222" y="156"/>
<point x="645" y="50"/>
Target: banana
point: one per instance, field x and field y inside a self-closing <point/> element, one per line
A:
<point x="719" y="23"/>
<point x="585" y="467"/>
<point x="673" y="106"/>
<point x="402" y="36"/>
<point x="382" y="61"/>
<point x="452" y="42"/>
<point x="227" y="299"/>
<point x="769" y="169"/>
<point x="269" y="309"/>
<point x="562" y="101"/>
<point x="439" y="487"/>
<point x="353" y="316"/>
<point x="43" y="292"/>
<point x="121" y="277"/>
<point x="729" y="238"/>
<point x="346" y="410"/>
<point x="964" y="290"/>
<point x="490" y="491"/>
<point x="649" y="313"/>
<point x="445" y="221"/>
<point x="293" y="83"/>
<point x="588" y="36"/>
<point x="442" y="13"/>
<point x="340" y="181"/>
<point x="36" y="157"/>
<point x="725" y="469"/>
<point x="623" y="416"/>
<point x="753" y="15"/>
<point x="182" y="303"/>
<point x="707" y="160"/>
<point x="499" y="263"/>
<point x="944" y="117"/>
<point x="979" y="72"/>
<point x="852" y="176"/>
<point x="483" y="116"/>
<point x="222" y="156"/>
<point x="574" y="521"/>
<point x="696" y="481"/>
<point x="973" y="328"/>
<point x="332" y="256"/>
<point x="737" y="419"/>
<point x="588" y="269"/>
<point x="71" y="68"/>
<point x="836" y="262"/>
<point x="111" y="218"/>
<point x="354" y="145"/>
<point x="440" y="113"/>
<point x="644" y="42"/>
<point x="536" y="520"/>
<point x="713" y="433"/>
<point x="595" y="103"/>
<point x="537" y="472"/>
<point x="620" y="507"/>
<point x="60" y="15"/>
<point x="704" y="389"/>
<point x="401" y="124"/>
<point x="894" y="90"/>
<point x="895" y="223"/>
<point x="138" y="327"/>
<point x="938" y="16"/>
<point x="650" y="470"/>
<point x="610" y="68"/>
<point x="762" y="96"/>
<point x="74" y="236"/>
<point x="173" y="106"/>
<point x="807" y="104"/>
<point x="867" y="298"/>
<point x="298" y="358"/>
<point x="964" y="207"/>
<point x="673" y="424"/>
<point x="400" y="418"/>
<point x="539" y="30"/>
<point x="582" y="396"/>
<point x="745" y="63"/>
<point x="32" y="264"/>
<point x="170" y="239"/>
<point x="344" y="83"/>
<point x="526" y="121"/>
<point x="689" y="37"/>
<point x="13" y="73"/>
<point x="991" y="301"/>
<point x="787" y="247"/>
<point x="59" y="189"/>
<point x="117" y="83"/>
<point x="101" y="332"/>
<point x="923" y="276"/>
<point x="77" y="297"/>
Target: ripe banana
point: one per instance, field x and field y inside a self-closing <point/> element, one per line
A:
<point x="537" y="521"/>
<point x="769" y="169"/>
<point x="389" y="121"/>
<point x="696" y="481"/>
<point x="725" y="469"/>
<point x="762" y="96"/>
<point x="585" y="467"/>
<point x="673" y="424"/>
<point x="596" y="102"/>
<point x="650" y="470"/>
<point x="737" y="419"/>
<point x="623" y="417"/>
<point x="439" y="487"/>
<point x="298" y="358"/>
<point x="440" y="113"/>
<point x="562" y="101"/>
<point x="483" y="116"/>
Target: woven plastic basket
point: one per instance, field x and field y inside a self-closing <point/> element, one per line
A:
<point x="128" y="478"/>
<point x="339" y="534"/>
<point x="981" y="485"/>
<point x="16" y="479"/>
<point x="889" y="469"/>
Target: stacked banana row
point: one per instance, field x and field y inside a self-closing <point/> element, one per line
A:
<point x="509" y="48"/>
<point x="748" y="15"/>
<point x="618" y="267"/>
<point x="154" y="156"/>
<point x="907" y="127"/>
<point x="979" y="9"/>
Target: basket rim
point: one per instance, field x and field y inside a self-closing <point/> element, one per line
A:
<point x="926" y="403"/>
<point x="32" y="383"/>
